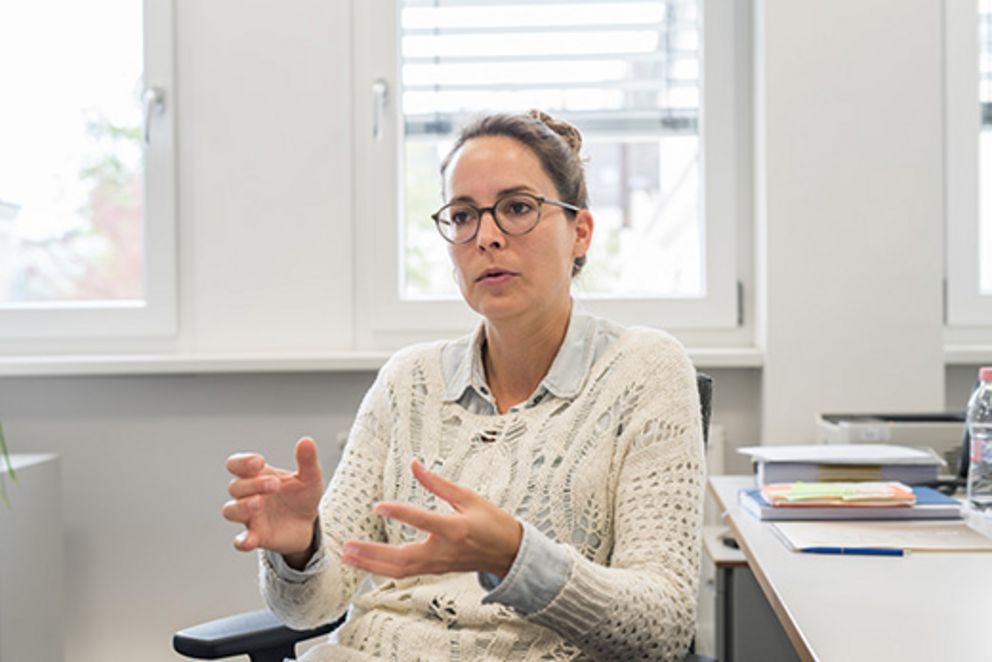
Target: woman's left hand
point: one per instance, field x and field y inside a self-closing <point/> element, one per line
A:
<point x="478" y="537"/>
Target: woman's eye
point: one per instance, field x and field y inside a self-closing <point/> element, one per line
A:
<point x="460" y="217"/>
<point x="519" y="207"/>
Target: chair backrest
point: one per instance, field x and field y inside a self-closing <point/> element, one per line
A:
<point x="705" y="385"/>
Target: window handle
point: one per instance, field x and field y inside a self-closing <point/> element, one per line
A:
<point x="380" y="97"/>
<point x="153" y="101"/>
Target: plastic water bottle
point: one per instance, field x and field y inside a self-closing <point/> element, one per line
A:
<point x="979" y="421"/>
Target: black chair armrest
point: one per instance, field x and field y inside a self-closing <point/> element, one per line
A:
<point x="256" y="634"/>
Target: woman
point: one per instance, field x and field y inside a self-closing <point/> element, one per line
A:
<point x="530" y="491"/>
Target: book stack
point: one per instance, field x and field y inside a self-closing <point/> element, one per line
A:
<point x="847" y="501"/>
<point x="850" y="495"/>
<point x="844" y="463"/>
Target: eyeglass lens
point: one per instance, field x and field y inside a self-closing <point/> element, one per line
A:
<point x="515" y="214"/>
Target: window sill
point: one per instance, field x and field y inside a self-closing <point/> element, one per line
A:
<point x="967" y="354"/>
<point x="178" y="364"/>
<point x="355" y="361"/>
<point x="726" y="357"/>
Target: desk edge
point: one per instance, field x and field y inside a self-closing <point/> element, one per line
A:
<point x="799" y="642"/>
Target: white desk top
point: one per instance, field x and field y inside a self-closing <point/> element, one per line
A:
<point x="925" y="606"/>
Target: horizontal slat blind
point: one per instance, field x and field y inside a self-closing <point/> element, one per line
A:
<point x="608" y="67"/>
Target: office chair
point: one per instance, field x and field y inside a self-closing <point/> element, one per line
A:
<point x="263" y="638"/>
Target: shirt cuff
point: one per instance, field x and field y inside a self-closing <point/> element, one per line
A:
<point x="316" y="564"/>
<point x="537" y="575"/>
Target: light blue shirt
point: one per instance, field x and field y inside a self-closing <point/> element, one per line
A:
<point x="541" y="566"/>
<point x="465" y="377"/>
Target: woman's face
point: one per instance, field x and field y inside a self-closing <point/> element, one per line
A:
<point x="504" y="277"/>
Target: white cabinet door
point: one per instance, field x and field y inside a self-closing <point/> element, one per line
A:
<point x="31" y="619"/>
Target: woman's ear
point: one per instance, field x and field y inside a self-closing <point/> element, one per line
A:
<point x="583" y="232"/>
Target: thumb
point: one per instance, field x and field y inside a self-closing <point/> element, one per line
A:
<point x="307" y="465"/>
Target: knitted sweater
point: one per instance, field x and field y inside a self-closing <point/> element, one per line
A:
<point x="614" y="475"/>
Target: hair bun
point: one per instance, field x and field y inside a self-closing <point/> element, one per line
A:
<point x="565" y="131"/>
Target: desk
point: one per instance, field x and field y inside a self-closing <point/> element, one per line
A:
<point x="925" y="606"/>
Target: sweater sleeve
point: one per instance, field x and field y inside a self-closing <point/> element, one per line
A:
<point x="642" y="605"/>
<point x="323" y="591"/>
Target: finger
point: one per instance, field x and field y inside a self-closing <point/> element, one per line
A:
<point x="420" y="518"/>
<point x="245" y="465"/>
<point x="409" y="557"/>
<point x="246" y="541"/>
<point x="377" y="567"/>
<point x="239" y="488"/>
<point x="453" y="493"/>
<point x="242" y="510"/>
<point x="306" y="460"/>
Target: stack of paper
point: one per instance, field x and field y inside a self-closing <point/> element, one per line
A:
<point x="862" y="537"/>
<point x="844" y="462"/>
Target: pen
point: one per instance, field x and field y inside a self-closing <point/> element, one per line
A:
<point x="860" y="551"/>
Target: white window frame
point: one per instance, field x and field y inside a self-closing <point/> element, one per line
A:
<point x="966" y="306"/>
<point x="156" y="314"/>
<point x="385" y="321"/>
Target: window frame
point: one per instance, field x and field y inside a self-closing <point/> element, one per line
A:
<point x="966" y="305"/>
<point x="384" y="321"/>
<point x="155" y="315"/>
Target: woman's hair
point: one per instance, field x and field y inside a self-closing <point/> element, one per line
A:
<point x="556" y="144"/>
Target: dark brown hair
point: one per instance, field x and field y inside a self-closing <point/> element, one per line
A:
<point x="556" y="143"/>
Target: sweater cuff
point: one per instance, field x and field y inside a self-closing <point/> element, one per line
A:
<point x="316" y="564"/>
<point x="580" y="606"/>
<point x="537" y="576"/>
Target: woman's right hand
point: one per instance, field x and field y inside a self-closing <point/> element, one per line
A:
<point x="278" y="508"/>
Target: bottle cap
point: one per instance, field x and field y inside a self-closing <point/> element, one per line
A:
<point x="985" y="374"/>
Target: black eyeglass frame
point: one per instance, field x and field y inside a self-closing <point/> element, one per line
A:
<point x="492" y="210"/>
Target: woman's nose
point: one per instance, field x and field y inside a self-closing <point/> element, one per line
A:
<point x="489" y="236"/>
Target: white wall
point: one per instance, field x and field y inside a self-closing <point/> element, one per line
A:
<point x="850" y="186"/>
<point x="849" y="240"/>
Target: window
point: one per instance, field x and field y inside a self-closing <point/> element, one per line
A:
<point x="87" y="242"/>
<point x="969" y="162"/>
<point x="648" y="83"/>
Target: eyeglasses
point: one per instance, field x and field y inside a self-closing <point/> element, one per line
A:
<point x="515" y="214"/>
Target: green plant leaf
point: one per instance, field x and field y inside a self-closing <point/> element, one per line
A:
<point x="5" y="456"/>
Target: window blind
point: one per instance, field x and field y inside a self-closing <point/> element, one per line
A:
<point x="607" y="67"/>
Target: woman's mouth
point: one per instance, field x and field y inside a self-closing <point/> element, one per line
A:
<point x="495" y="276"/>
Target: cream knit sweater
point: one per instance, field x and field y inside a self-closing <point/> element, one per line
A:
<point x="614" y="474"/>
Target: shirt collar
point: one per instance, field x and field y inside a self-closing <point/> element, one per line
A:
<point x="461" y="362"/>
